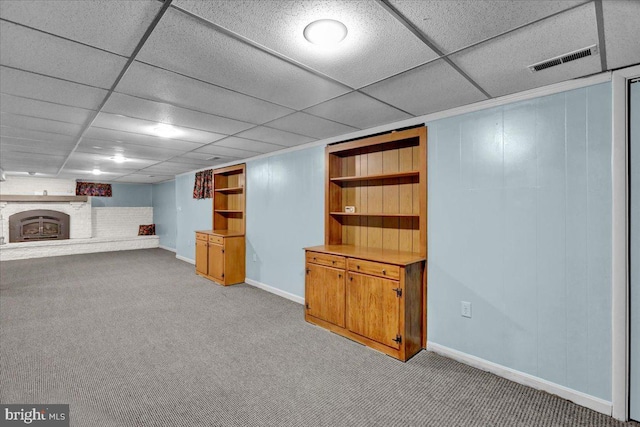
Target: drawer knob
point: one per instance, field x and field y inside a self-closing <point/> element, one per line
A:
<point x="339" y="276"/>
<point x="358" y="267"/>
<point x="384" y="271"/>
<point x="333" y="262"/>
<point x="315" y="259"/>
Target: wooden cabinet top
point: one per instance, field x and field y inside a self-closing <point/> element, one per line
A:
<point x="374" y="254"/>
<point x="221" y="233"/>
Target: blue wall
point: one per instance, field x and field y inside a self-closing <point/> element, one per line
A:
<point x="520" y="226"/>
<point x="191" y="215"/>
<point x="285" y="212"/>
<point x="635" y="250"/>
<point x="125" y="195"/>
<point x="164" y="213"/>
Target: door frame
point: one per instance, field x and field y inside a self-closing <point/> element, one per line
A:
<point x="620" y="300"/>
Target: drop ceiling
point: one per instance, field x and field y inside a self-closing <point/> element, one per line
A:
<point x="82" y="81"/>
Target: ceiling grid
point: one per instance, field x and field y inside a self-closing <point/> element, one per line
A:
<point x="82" y="81"/>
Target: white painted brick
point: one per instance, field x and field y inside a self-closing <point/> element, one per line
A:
<point x="33" y="185"/>
<point x="120" y="222"/>
<point x="27" y="250"/>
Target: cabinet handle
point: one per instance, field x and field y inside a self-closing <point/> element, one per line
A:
<point x="308" y="270"/>
<point x="339" y="276"/>
<point x="384" y="271"/>
<point x="333" y="262"/>
<point x="350" y="277"/>
<point x="358" y="267"/>
<point x="315" y="259"/>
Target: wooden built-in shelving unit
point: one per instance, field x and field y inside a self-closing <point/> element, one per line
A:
<point x="220" y="252"/>
<point x="368" y="281"/>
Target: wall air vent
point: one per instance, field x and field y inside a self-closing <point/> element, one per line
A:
<point x="561" y="59"/>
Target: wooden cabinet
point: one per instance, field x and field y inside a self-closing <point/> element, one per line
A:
<point x="220" y="258"/>
<point x="325" y="292"/>
<point x="367" y="299"/>
<point x="220" y="252"/>
<point x="368" y="281"/>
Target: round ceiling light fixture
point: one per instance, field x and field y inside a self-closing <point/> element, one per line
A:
<point x="119" y="158"/>
<point x="165" y="131"/>
<point x="325" y="32"/>
<point x="96" y="171"/>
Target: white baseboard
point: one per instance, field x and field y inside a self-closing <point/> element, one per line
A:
<point x="276" y="291"/>
<point x="185" y="259"/>
<point x="167" y="248"/>
<point x="574" y="396"/>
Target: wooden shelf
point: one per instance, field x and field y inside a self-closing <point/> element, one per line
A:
<point x="376" y="176"/>
<point x="229" y="211"/>
<point x="229" y="190"/>
<point x="397" y="215"/>
<point x="375" y="254"/>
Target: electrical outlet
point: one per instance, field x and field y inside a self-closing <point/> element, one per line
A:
<point x="466" y="308"/>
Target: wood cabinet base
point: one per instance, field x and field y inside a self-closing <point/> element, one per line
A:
<point x="220" y="257"/>
<point x="373" y="297"/>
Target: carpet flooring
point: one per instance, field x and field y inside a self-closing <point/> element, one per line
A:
<point x="135" y="338"/>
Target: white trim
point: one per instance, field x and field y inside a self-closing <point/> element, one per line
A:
<point x="575" y="396"/>
<point x="489" y="103"/>
<point x="620" y="244"/>
<point x="276" y="291"/>
<point x="185" y="259"/>
<point x="167" y="248"/>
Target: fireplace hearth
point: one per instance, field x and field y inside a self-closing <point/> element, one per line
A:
<point x="37" y="225"/>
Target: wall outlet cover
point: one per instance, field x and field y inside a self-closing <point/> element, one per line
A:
<point x="465" y="308"/>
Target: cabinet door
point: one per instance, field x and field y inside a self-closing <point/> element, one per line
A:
<point x="201" y="257"/>
<point x="324" y="293"/>
<point x="216" y="262"/>
<point x="373" y="308"/>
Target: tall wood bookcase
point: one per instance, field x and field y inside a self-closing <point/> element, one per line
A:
<point x="220" y="252"/>
<point x="368" y="281"/>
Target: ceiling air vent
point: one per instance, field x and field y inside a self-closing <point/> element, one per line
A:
<point x="567" y="57"/>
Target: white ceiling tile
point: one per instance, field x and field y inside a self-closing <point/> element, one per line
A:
<point x="227" y="152"/>
<point x="30" y="162"/>
<point x="30" y="146"/>
<point x="312" y="126"/>
<point x="500" y="65"/>
<point x="127" y="150"/>
<point x="358" y="110"/>
<point x="136" y="138"/>
<point x="248" y="145"/>
<point x="144" y="179"/>
<point x="43" y="109"/>
<point x="31" y="50"/>
<point x="89" y="161"/>
<point x="32" y="135"/>
<point x="195" y="163"/>
<point x="168" y="168"/>
<point x="163" y="112"/>
<point x="145" y="127"/>
<point x="164" y="86"/>
<point x="116" y="26"/>
<point x="37" y="124"/>
<point x="30" y="85"/>
<point x="185" y="45"/>
<point x="275" y="136"/>
<point x="426" y="89"/>
<point x="376" y="46"/>
<point x="621" y="27"/>
<point x="454" y="24"/>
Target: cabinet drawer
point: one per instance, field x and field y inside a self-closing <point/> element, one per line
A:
<point x="201" y="236"/>
<point x="326" y="259"/>
<point x="216" y="240"/>
<point x="374" y="268"/>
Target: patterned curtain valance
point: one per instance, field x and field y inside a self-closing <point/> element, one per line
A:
<point x="93" y="189"/>
<point x="203" y="186"/>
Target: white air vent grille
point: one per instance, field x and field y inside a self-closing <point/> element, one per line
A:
<point x="567" y="57"/>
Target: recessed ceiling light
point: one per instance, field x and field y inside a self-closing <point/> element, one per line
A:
<point x="165" y="131"/>
<point x="325" y="32"/>
<point x="119" y="158"/>
<point x="96" y="171"/>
